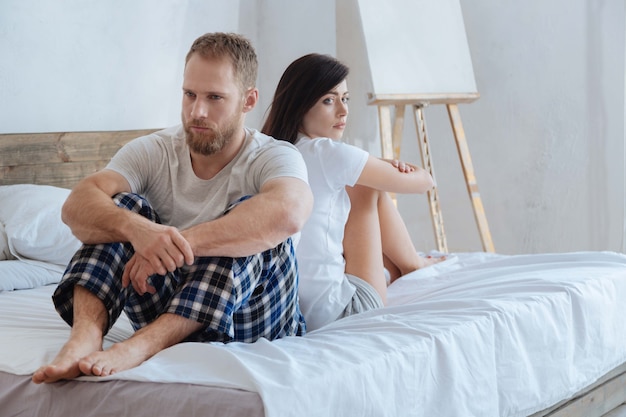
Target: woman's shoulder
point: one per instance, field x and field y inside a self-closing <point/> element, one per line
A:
<point x="321" y="145"/>
<point x="330" y="155"/>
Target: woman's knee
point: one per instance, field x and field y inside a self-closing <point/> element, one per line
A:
<point x="361" y="195"/>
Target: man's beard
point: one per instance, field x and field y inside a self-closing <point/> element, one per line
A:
<point x="211" y="141"/>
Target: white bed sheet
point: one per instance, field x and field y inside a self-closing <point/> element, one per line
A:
<point x="477" y="335"/>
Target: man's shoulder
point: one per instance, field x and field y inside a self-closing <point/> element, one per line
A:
<point x="169" y="133"/>
<point x="164" y="138"/>
<point x="273" y="158"/>
<point x="263" y="141"/>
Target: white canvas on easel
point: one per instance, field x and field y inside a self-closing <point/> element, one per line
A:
<point x="418" y="55"/>
<point x="417" y="47"/>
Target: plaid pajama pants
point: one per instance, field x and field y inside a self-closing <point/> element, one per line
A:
<point x="237" y="299"/>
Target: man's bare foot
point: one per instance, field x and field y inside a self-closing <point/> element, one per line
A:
<point x="117" y="358"/>
<point x="65" y="364"/>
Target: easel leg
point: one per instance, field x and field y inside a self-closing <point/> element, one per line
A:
<point x="398" y="127"/>
<point x="391" y="140"/>
<point x="386" y="138"/>
<point x="433" y="195"/>
<point x="470" y="179"/>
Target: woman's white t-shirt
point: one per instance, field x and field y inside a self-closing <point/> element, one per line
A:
<point x="323" y="288"/>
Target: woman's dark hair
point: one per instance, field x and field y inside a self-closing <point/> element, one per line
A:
<point x="303" y="83"/>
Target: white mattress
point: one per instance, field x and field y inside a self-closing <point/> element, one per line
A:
<point x="478" y="335"/>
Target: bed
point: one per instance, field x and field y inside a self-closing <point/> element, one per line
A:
<point x="479" y="334"/>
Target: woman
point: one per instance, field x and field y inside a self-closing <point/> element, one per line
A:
<point x="355" y="230"/>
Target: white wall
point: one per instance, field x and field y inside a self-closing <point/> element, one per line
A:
<point x="282" y="31"/>
<point x="97" y="65"/>
<point x="547" y="135"/>
<point x="548" y="132"/>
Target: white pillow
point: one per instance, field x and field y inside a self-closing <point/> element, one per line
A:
<point x="31" y="215"/>
<point x="5" y="253"/>
<point x="18" y="275"/>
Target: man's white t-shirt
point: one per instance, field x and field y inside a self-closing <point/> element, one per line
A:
<point x="158" y="167"/>
<point x="324" y="290"/>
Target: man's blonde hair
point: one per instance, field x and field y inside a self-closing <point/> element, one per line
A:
<point x="234" y="46"/>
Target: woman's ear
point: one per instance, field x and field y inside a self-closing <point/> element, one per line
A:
<point x="251" y="97"/>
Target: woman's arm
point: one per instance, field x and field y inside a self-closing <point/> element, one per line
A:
<point x="386" y="176"/>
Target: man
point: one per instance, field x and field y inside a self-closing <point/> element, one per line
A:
<point x="187" y="230"/>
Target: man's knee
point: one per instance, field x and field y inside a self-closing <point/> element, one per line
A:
<point x="236" y="203"/>
<point x="137" y="204"/>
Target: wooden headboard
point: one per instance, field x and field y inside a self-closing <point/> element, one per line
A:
<point x="60" y="159"/>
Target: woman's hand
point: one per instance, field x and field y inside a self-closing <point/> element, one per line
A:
<point x="401" y="166"/>
<point x="395" y="176"/>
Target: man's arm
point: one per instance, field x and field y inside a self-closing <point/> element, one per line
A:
<point x="94" y="218"/>
<point x="91" y="213"/>
<point x="257" y="224"/>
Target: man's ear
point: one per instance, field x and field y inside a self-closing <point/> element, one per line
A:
<point x="251" y="97"/>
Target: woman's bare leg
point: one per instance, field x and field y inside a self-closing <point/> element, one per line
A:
<point x="362" y="244"/>
<point x="394" y="271"/>
<point x="397" y="245"/>
<point x="376" y="238"/>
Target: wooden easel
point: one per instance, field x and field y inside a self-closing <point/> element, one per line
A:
<point x="391" y="128"/>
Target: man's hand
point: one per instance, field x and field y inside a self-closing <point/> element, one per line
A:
<point x="158" y="249"/>
<point x="137" y="272"/>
